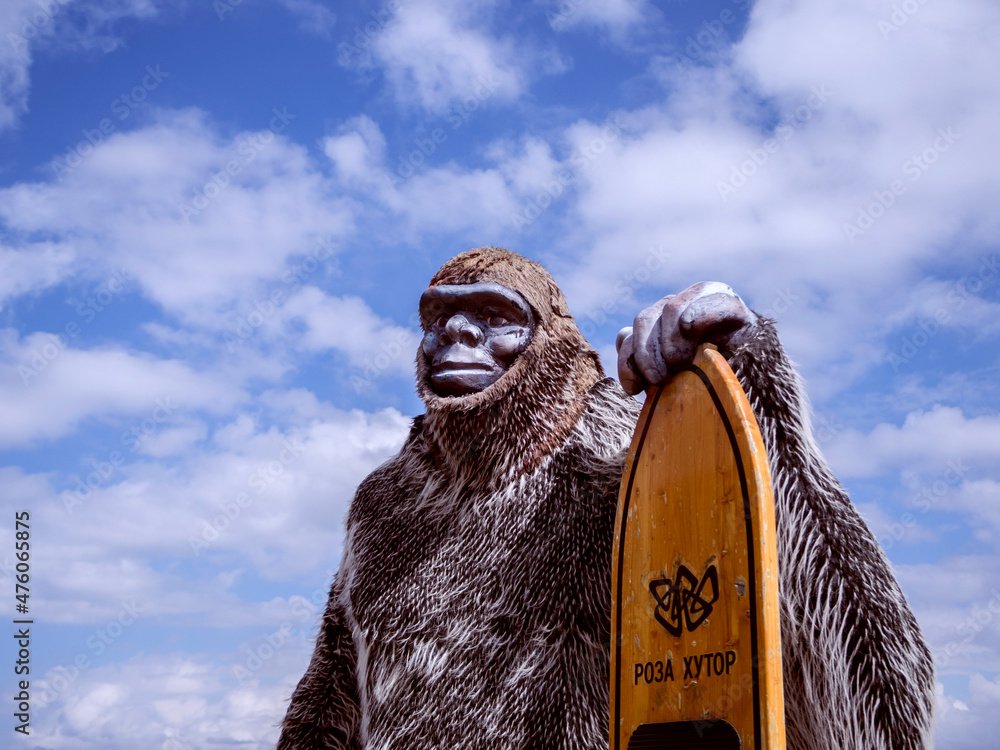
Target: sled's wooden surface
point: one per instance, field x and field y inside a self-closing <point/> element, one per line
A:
<point x="695" y="633"/>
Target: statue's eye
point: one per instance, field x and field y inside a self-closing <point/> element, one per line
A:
<point x="498" y="320"/>
<point x="441" y="321"/>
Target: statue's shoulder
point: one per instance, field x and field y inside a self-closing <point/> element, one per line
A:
<point x="608" y="403"/>
<point x="604" y="431"/>
<point x="398" y="477"/>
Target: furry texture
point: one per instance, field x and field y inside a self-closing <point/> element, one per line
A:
<point x="857" y="671"/>
<point x="472" y="605"/>
<point x="506" y="430"/>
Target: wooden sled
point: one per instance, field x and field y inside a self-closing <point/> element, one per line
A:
<point x="695" y="635"/>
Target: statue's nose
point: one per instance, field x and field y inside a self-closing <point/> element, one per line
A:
<point x="460" y="329"/>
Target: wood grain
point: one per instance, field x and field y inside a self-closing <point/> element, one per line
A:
<point x="695" y="628"/>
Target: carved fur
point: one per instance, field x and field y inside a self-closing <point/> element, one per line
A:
<point x="857" y="671"/>
<point x="472" y="605"/>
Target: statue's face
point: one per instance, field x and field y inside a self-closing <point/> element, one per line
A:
<point x="474" y="332"/>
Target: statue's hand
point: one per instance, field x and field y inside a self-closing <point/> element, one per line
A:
<point x="665" y="335"/>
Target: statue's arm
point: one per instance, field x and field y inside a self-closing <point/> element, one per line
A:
<point x="324" y="713"/>
<point x="857" y="671"/>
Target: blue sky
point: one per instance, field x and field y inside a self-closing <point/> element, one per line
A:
<point x="216" y="219"/>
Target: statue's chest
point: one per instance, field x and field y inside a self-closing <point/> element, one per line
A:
<point x="527" y="551"/>
<point x="440" y="577"/>
<point x="468" y="618"/>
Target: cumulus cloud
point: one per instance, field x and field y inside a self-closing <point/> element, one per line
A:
<point x="15" y="58"/>
<point x="348" y="325"/>
<point x="25" y="270"/>
<point x="819" y="181"/>
<point x="925" y="440"/>
<point x="48" y="387"/>
<point x="963" y="724"/>
<point x="200" y="220"/>
<point x="436" y="53"/>
<point x="174" y="700"/>
<point x="264" y="496"/>
<point x="314" y="17"/>
<point x="957" y="602"/>
<point x="615" y="16"/>
<point x="441" y="199"/>
<point x="751" y="163"/>
<point x="751" y="169"/>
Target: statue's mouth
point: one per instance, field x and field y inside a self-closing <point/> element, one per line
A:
<point x="460" y="367"/>
<point x="458" y="376"/>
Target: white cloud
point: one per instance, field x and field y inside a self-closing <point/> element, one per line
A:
<point x="232" y="237"/>
<point x="433" y="199"/>
<point x="251" y="502"/>
<point x="937" y="306"/>
<point x="889" y="530"/>
<point x="48" y="387"/>
<point x="641" y="206"/>
<point x="26" y="270"/>
<point x="357" y="151"/>
<point x="203" y="222"/>
<point x="926" y="441"/>
<point x="697" y="177"/>
<point x="527" y="168"/>
<point x="967" y="724"/>
<point x="15" y="59"/>
<point x="314" y="17"/>
<point x="265" y="500"/>
<point x="436" y="53"/>
<point x="980" y="499"/>
<point x="615" y="16"/>
<point x="957" y="602"/>
<point x="173" y="701"/>
<point x="348" y="325"/>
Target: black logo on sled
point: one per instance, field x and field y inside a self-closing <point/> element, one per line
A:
<point x="684" y="601"/>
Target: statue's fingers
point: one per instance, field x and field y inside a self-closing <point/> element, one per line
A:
<point x="628" y="374"/>
<point x="646" y="343"/>
<point x="625" y="334"/>
<point x="675" y="350"/>
<point x="713" y="316"/>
